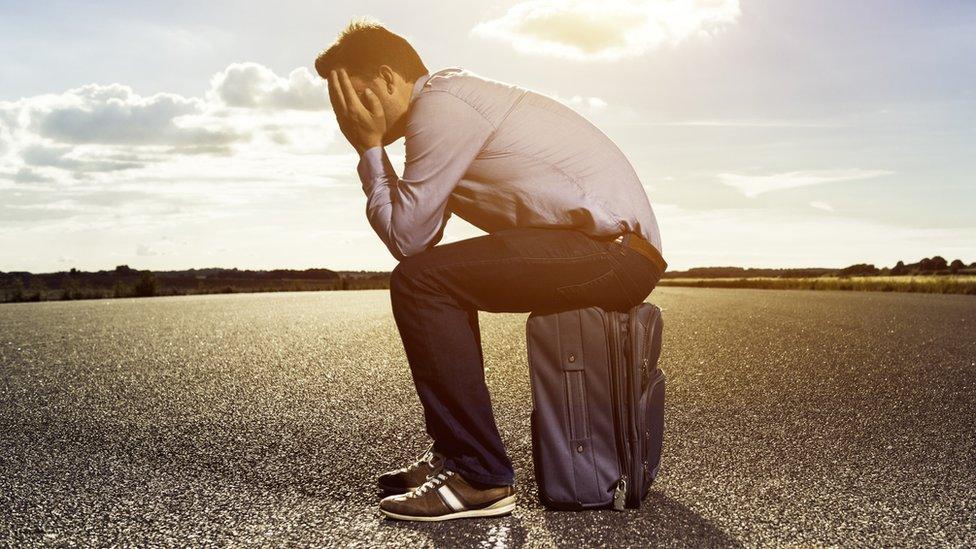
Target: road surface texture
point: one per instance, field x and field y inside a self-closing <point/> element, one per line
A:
<point x="793" y="418"/>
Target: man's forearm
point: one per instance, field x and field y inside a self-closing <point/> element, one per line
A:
<point x="409" y="213"/>
<point x="379" y="181"/>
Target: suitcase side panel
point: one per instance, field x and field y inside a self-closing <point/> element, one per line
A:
<point x="569" y="423"/>
<point x="649" y="390"/>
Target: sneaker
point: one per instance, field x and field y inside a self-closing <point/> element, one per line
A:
<point x="409" y="478"/>
<point x="446" y="495"/>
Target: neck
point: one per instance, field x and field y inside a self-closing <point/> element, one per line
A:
<point x="396" y="130"/>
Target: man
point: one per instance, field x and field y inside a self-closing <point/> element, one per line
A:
<point x="569" y="226"/>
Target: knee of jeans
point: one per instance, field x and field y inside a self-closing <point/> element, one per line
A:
<point x="408" y="270"/>
<point x="398" y="280"/>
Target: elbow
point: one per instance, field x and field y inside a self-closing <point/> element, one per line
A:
<point x="409" y="249"/>
<point x="410" y="243"/>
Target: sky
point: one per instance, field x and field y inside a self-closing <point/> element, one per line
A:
<point x="172" y="135"/>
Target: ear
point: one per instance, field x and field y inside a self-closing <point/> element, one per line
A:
<point x="389" y="77"/>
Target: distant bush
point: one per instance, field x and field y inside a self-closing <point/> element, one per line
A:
<point x="121" y="289"/>
<point x="146" y="287"/>
<point x="70" y="289"/>
<point x="935" y="264"/>
<point x="861" y="269"/>
<point x="936" y="284"/>
<point x="16" y="293"/>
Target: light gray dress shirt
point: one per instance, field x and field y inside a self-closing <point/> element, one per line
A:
<point x="499" y="156"/>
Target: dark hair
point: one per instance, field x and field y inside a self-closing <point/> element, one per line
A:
<point x="365" y="45"/>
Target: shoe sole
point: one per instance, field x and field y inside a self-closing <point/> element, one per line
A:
<point x="392" y="491"/>
<point x="501" y="507"/>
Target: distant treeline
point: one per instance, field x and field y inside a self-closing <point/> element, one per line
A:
<point x="929" y="266"/>
<point x="739" y="272"/>
<point x="124" y="281"/>
<point x="931" y="284"/>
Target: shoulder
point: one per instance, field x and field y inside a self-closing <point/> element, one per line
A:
<point x="448" y="85"/>
<point x="447" y="93"/>
<point x="489" y="98"/>
<point x="450" y="80"/>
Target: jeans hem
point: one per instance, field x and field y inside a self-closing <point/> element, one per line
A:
<point x="497" y="480"/>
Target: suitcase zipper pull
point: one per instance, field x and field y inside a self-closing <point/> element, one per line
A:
<point x="620" y="493"/>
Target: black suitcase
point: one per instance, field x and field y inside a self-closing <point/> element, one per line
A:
<point x="597" y="405"/>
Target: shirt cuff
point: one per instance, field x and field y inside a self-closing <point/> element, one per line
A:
<point x="372" y="166"/>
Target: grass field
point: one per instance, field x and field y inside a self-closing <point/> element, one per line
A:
<point x="934" y="284"/>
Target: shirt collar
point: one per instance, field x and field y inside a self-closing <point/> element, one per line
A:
<point x="418" y="84"/>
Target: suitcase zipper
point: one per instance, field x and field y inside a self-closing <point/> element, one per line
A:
<point x="620" y="427"/>
<point x="633" y="410"/>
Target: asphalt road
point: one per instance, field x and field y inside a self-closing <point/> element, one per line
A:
<point x="793" y="418"/>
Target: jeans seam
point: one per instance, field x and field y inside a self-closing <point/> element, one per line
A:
<point x="619" y="265"/>
<point x="621" y="284"/>
<point x="596" y="242"/>
<point x="564" y="288"/>
<point x="566" y="259"/>
<point x="469" y="262"/>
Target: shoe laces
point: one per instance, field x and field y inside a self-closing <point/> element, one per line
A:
<point x="429" y="457"/>
<point x="434" y="481"/>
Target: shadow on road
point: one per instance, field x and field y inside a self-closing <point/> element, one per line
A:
<point x="662" y="521"/>
<point x="495" y="533"/>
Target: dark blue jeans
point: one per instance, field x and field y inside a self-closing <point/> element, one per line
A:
<point x="436" y="296"/>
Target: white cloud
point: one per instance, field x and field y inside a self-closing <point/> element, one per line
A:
<point x="822" y="206"/>
<point x="142" y="250"/>
<point x="26" y="175"/>
<point x="98" y="129"/>
<point x="63" y="157"/>
<point x="107" y="172"/>
<point x="115" y="115"/>
<point x="609" y="29"/>
<point x="251" y="85"/>
<point x="755" y="185"/>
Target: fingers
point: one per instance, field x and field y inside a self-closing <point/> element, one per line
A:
<point x="359" y="124"/>
<point x="373" y="103"/>
<point x="336" y="96"/>
<point x="352" y="100"/>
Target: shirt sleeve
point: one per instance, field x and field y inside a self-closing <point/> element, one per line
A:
<point x="444" y="135"/>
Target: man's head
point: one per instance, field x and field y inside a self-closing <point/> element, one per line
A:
<point x="380" y="60"/>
